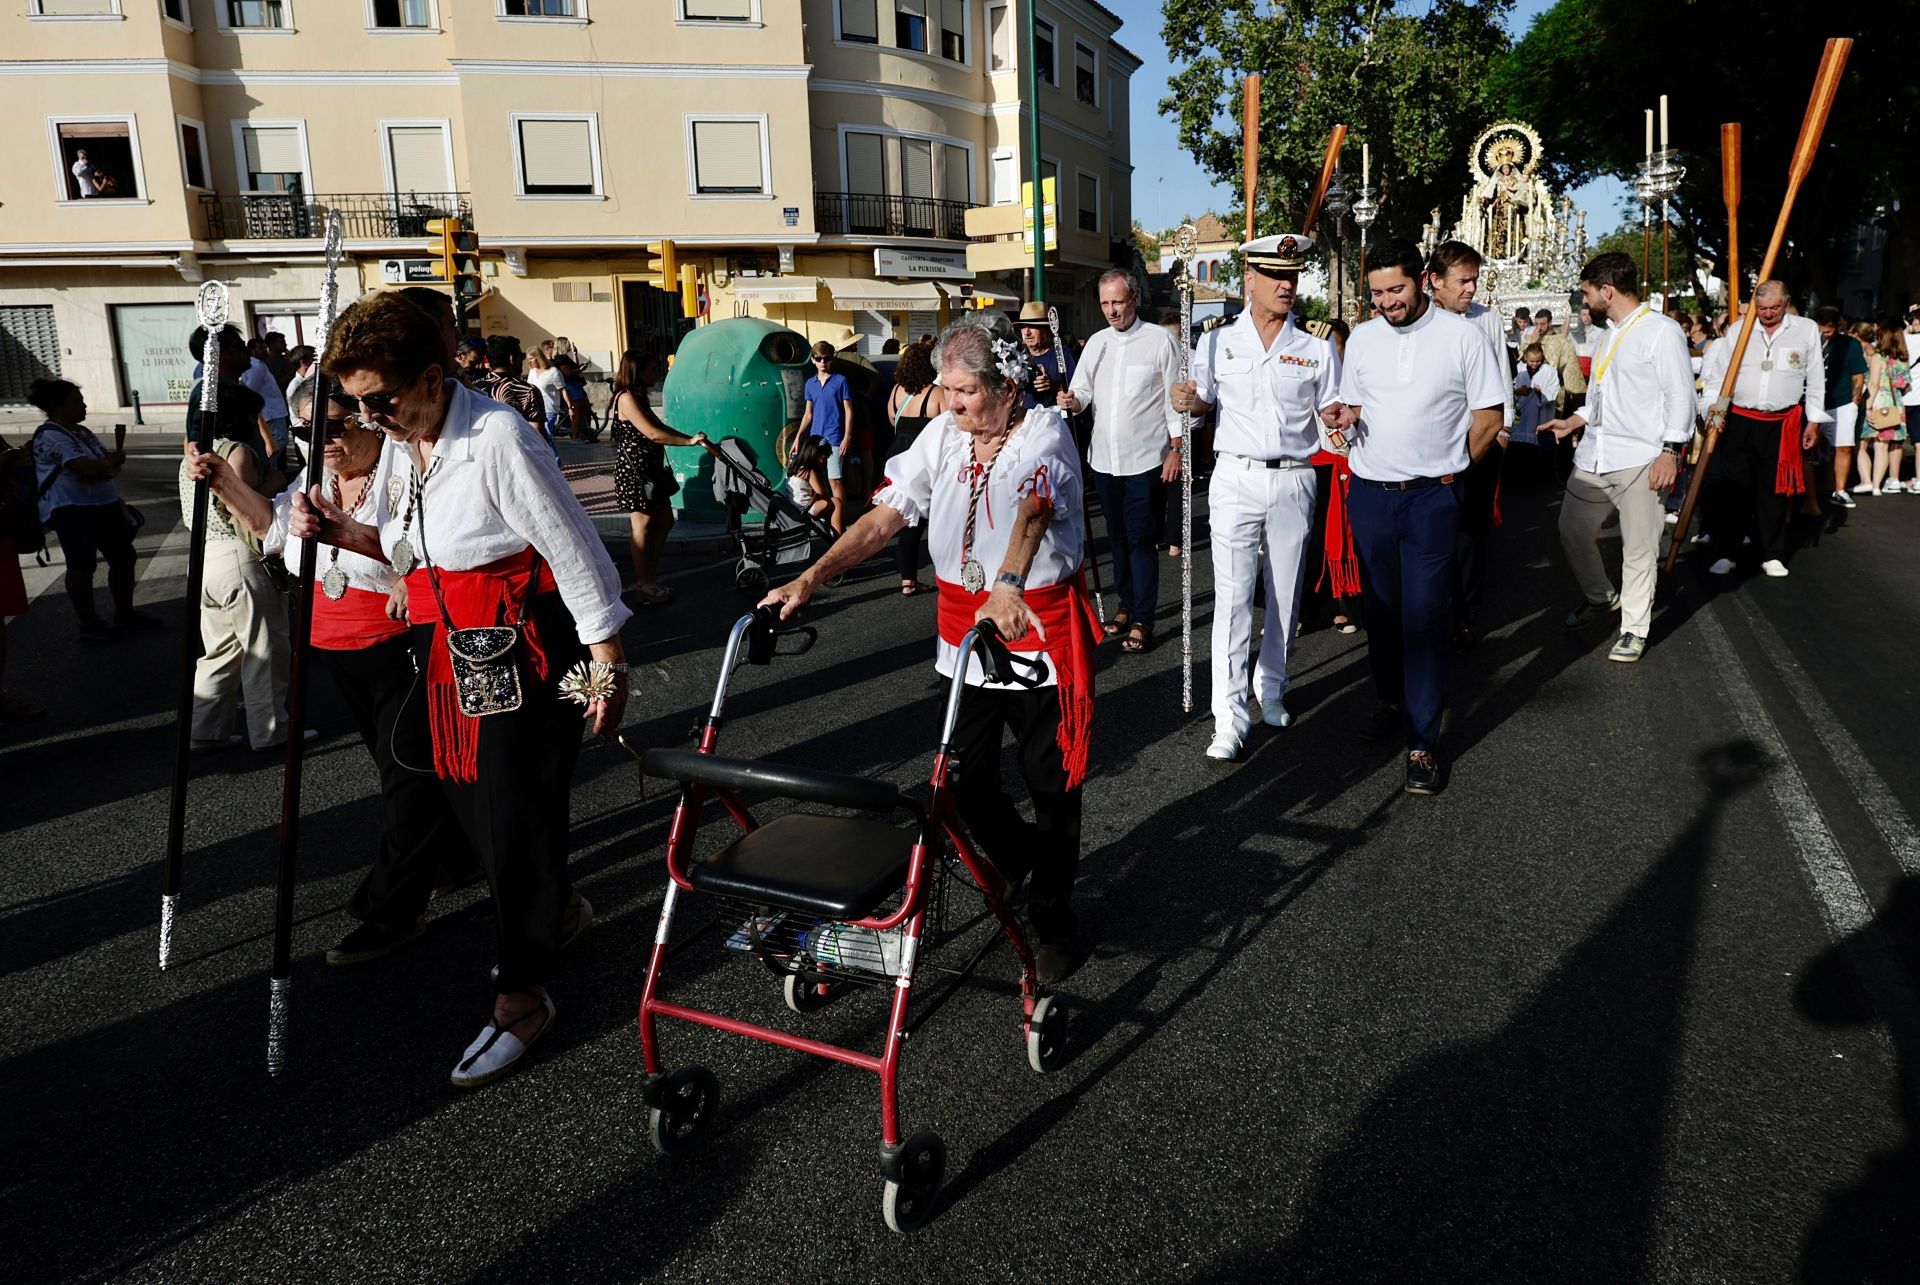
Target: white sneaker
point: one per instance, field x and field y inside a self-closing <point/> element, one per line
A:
<point x="1774" y="567"/>
<point x="1275" y="715"/>
<point x="1864" y="488"/>
<point x="1672" y="519"/>
<point x="1225" y="748"/>
<point x="1701" y="538"/>
<point x="497" y="1048"/>
<point x="1724" y="567"/>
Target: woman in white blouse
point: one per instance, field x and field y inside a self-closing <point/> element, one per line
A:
<point x="360" y="631"/>
<point x="475" y="515"/>
<point x="998" y="489"/>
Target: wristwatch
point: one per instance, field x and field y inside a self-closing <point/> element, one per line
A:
<point x="1012" y="579"/>
<point x="1670" y="448"/>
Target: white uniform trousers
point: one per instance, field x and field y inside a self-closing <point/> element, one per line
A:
<point x="1590" y="496"/>
<point x="1248" y="507"/>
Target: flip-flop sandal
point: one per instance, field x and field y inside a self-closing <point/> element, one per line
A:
<point x="1117" y="625"/>
<point x="908" y="588"/>
<point x="1139" y="638"/>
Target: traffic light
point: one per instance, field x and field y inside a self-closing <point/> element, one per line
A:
<point x="662" y="265"/>
<point x="446" y="235"/>
<point x="689" y="290"/>
<point x="466" y="267"/>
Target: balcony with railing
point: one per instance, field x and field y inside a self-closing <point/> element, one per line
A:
<point x="293" y="216"/>
<point x="868" y="214"/>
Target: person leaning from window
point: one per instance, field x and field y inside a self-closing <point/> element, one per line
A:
<point x="74" y="473"/>
<point x="489" y="534"/>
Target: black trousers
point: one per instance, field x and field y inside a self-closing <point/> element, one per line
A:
<point x="88" y="534"/>
<point x="421" y="844"/>
<point x="1049" y="845"/>
<point x="1740" y="498"/>
<point x="1482" y="482"/>
<point x="516" y="811"/>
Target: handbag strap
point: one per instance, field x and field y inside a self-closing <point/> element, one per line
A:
<point x="433" y="572"/>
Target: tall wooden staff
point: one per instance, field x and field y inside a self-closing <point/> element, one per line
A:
<point x="1093" y="558"/>
<point x="1826" y="83"/>
<point x="1250" y="144"/>
<point x="280" y="985"/>
<point x="1730" y="193"/>
<point x="212" y="307"/>
<point x="1334" y="142"/>
<point x="1186" y="245"/>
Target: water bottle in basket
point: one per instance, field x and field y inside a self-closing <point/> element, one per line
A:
<point x="846" y="946"/>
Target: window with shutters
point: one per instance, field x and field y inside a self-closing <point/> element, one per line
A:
<point x="956" y="173"/>
<point x="272" y="156"/>
<point x="575" y="9"/>
<point x="910" y="24"/>
<point x="1088" y="205"/>
<point x="866" y="165"/>
<point x="401" y="15"/>
<point x="99" y="158"/>
<point x="999" y="38"/>
<point x="193" y="153"/>
<point x="261" y="14"/>
<point x="1043" y="51"/>
<point x="728" y="155"/>
<point x="953" y="30"/>
<point x="860" y="21"/>
<point x="417" y="158"/>
<point x="719" y="10"/>
<point x="1004" y="182"/>
<point x="557" y="156"/>
<point x="1086" y="75"/>
<point x="74" y="8"/>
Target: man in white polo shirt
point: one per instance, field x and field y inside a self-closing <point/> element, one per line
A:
<point x="1422" y="397"/>
<point x="1269" y="379"/>
<point x="1126" y="376"/>
<point x="1639" y="418"/>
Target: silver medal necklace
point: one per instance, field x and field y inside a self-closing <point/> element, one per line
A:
<point x="404" y="559"/>
<point x="334" y="583"/>
<point x="973" y="576"/>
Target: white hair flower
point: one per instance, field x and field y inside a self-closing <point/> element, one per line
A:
<point x="1011" y="358"/>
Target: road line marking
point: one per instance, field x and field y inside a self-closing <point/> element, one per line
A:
<point x="1842" y="903"/>
<point x="1888" y="817"/>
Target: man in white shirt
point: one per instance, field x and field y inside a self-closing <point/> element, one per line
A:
<point x="1638" y="419"/>
<point x="259" y="377"/>
<point x="1269" y="379"/>
<point x="84" y="177"/>
<point x="1779" y="402"/>
<point x="1453" y="275"/>
<point x="1422" y="398"/>
<point x="1126" y="376"/>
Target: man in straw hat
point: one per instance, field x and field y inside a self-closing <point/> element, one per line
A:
<point x="1269" y="379"/>
<point x="1052" y="366"/>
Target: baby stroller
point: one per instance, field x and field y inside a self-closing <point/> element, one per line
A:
<point x="830" y="904"/>
<point x="788" y="536"/>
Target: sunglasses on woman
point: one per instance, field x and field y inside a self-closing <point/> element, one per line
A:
<point x="383" y="403"/>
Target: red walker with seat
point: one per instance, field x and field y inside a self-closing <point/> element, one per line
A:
<point x="828" y="902"/>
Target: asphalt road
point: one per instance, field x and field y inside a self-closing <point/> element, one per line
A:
<point x="1632" y="1000"/>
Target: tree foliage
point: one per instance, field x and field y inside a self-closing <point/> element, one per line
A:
<point x="1585" y="72"/>
<point x="1411" y="80"/>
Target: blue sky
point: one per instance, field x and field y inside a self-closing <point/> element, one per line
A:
<point x="1165" y="183"/>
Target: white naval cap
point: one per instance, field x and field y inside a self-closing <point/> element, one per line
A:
<point x="1286" y="250"/>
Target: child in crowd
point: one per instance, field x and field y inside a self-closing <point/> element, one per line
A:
<point x="807" y="476"/>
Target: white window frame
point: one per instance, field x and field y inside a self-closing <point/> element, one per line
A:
<point x="885" y="9"/>
<point x="61" y="173"/>
<point x="184" y="22"/>
<point x="766" y="158"/>
<point x="240" y="153"/>
<point x="114" y="15"/>
<point x="579" y="19"/>
<point x="993" y="162"/>
<point x="1078" y="45"/>
<point x="431" y="29"/>
<point x="1097" y="192"/>
<point x="206" y="155"/>
<point x="755" y="19"/>
<point x="221" y="24"/>
<point x="520" y="192"/>
<point x="1052" y="81"/>
<point x="986" y="39"/>
<point x="385" y="127"/>
<point x="840" y="26"/>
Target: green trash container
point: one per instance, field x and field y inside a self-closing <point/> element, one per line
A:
<point x="740" y="378"/>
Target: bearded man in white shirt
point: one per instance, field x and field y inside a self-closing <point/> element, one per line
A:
<point x="1638" y="419"/>
<point x="1125" y="377"/>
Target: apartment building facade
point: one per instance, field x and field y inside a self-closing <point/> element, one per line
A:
<point x="812" y="160"/>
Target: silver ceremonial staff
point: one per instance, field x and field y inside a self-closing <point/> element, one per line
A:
<point x="1186" y="244"/>
<point x="212" y="307"/>
<point x="1093" y="559"/>
<point x="280" y="985"/>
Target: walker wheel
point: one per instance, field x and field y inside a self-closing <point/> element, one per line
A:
<point x="909" y="1203"/>
<point x="1047" y="1036"/>
<point x="807" y="992"/>
<point x="750" y="578"/>
<point x="682" y="1121"/>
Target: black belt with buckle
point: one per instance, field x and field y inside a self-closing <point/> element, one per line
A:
<point x="1411" y="484"/>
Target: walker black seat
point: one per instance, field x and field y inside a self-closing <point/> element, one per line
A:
<point x="835" y="789"/>
<point x="829" y="867"/>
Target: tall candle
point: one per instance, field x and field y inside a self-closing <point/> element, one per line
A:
<point x="1366" y="164"/>
<point x="1663" y="121"/>
<point x="1649" y="133"/>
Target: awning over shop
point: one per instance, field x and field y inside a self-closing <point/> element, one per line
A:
<point x="776" y="289"/>
<point x="853" y="294"/>
<point x="982" y="296"/>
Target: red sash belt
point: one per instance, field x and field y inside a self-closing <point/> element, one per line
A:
<point x="1342" y="572"/>
<point x="485" y="596"/>
<point x="1788" y="477"/>
<point x="358" y="621"/>
<point x="1067" y="614"/>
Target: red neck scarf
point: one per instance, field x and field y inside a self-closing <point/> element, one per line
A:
<point x="1788" y="476"/>
<point x="1067" y="614"/>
